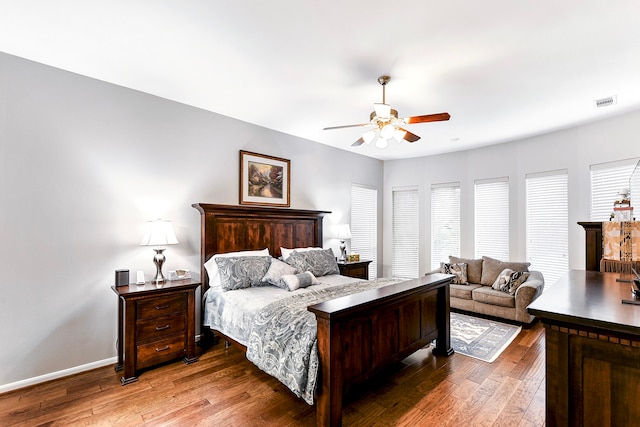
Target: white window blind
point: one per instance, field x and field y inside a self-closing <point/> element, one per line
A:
<point x="547" y="225"/>
<point x="445" y="222"/>
<point x="405" y="224"/>
<point x="364" y="225"/>
<point x="492" y="218"/>
<point x="607" y="179"/>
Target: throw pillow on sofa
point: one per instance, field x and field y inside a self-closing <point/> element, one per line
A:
<point x="492" y="267"/>
<point x="474" y="268"/>
<point x="459" y="270"/>
<point x="509" y="280"/>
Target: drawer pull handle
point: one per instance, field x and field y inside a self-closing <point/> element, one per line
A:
<point x="166" y="347"/>
<point x="162" y="328"/>
<point x="162" y="307"/>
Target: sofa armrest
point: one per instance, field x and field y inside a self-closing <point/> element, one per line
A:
<point x="531" y="289"/>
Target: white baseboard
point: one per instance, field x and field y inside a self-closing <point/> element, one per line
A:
<point x="59" y="374"/>
<point x="55" y="375"/>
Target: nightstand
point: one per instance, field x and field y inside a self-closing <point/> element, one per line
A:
<point x="357" y="269"/>
<point x="156" y="324"/>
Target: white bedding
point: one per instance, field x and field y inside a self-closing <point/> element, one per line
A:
<point x="232" y="312"/>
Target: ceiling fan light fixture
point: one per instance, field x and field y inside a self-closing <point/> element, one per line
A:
<point x="369" y="136"/>
<point x="388" y="125"/>
<point x="383" y="111"/>
<point x="388" y="131"/>
<point x="399" y="134"/>
<point x="382" y="143"/>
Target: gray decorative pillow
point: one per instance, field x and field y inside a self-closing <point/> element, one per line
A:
<point x="474" y="267"/>
<point x="297" y="261"/>
<point x="277" y="269"/>
<point x="321" y="263"/>
<point x="502" y="281"/>
<point x="458" y="269"/>
<point x="242" y="272"/>
<point x="517" y="278"/>
<point x="509" y="280"/>
<point x="300" y="280"/>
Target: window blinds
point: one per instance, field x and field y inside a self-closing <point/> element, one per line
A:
<point x="405" y="225"/>
<point x="607" y="179"/>
<point x="547" y="229"/>
<point x="445" y="222"/>
<point x="364" y="225"/>
<point x="492" y="218"/>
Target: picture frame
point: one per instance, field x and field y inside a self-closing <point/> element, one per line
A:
<point x="264" y="180"/>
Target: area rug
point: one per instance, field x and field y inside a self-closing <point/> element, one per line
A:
<point x="480" y="338"/>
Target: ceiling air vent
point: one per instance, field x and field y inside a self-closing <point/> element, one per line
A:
<point x="604" y="102"/>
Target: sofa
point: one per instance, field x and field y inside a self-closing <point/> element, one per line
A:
<point x="492" y="287"/>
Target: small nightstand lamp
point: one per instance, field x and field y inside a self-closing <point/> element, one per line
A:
<point x="343" y="233"/>
<point x="159" y="233"/>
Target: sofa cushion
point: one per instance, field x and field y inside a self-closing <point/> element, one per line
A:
<point x="474" y="268"/>
<point x="462" y="291"/>
<point x="487" y="295"/>
<point x="459" y="270"/>
<point x="492" y="267"/>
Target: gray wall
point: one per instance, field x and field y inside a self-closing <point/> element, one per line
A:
<point x="573" y="149"/>
<point x="83" y="165"/>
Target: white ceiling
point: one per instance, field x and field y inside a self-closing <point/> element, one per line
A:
<point x="503" y="69"/>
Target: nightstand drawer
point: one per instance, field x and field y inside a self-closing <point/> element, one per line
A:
<point x="160" y="351"/>
<point x="355" y="269"/>
<point x="160" y="326"/>
<point x="161" y="306"/>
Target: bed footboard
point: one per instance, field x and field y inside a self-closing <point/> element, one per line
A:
<point x="360" y="334"/>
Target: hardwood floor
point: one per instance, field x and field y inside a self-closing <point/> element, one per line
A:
<point x="224" y="389"/>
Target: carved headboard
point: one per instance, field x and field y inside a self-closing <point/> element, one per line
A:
<point x="227" y="228"/>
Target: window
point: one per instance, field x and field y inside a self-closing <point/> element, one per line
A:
<point x="547" y="225"/>
<point x="607" y="179"/>
<point x="405" y="237"/>
<point x="492" y="218"/>
<point x="445" y="222"/>
<point x="364" y="225"/>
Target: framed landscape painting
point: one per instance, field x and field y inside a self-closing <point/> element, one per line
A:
<point x="264" y="180"/>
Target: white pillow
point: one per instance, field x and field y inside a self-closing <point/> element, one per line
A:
<point x="300" y="280"/>
<point x="286" y="252"/>
<point x="212" y="267"/>
<point x="276" y="270"/>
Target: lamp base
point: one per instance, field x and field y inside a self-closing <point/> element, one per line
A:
<point x="343" y="252"/>
<point x="159" y="259"/>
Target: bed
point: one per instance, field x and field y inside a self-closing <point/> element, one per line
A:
<point x="357" y="334"/>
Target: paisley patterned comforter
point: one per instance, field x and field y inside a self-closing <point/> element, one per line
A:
<point x="283" y="337"/>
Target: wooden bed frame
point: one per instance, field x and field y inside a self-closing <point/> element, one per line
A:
<point x="358" y="335"/>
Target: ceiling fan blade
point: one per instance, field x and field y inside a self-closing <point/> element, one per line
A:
<point x="428" y="118"/>
<point x="408" y="136"/>
<point x="358" y="142"/>
<point x="346" y="126"/>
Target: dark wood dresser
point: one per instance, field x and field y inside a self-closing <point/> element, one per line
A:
<point x="156" y="324"/>
<point x="357" y="269"/>
<point x="592" y="350"/>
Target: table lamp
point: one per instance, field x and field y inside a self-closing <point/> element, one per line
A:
<point x="159" y="233"/>
<point x="343" y="233"/>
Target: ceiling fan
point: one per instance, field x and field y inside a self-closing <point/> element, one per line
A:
<point x="387" y="126"/>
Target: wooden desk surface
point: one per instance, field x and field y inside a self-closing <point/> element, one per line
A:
<point x="592" y="299"/>
<point x="592" y="346"/>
